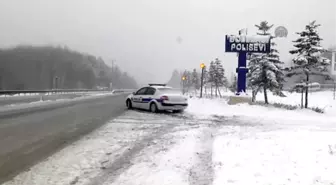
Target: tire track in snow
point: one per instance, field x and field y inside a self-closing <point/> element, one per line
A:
<point x="123" y="162"/>
<point x="202" y="173"/>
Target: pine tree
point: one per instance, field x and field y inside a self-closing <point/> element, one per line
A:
<point x="266" y="70"/>
<point x="233" y="86"/>
<point x="219" y="78"/>
<point x="211" y="75"/>
<point x="188" y="82"/>
<point x="309" y="60"/>
<point x="185" y="81"/>
<point x="205" y="79"/>
<point x="175" y="79"/>
<point x="195" y="79"/>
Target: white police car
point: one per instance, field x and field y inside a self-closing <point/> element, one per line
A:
<point x="157" y="97"/>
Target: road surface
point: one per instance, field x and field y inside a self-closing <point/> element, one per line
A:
<point x="29" y="138"/>
<point x="107" y="155"/>
<point x="209" y="144"/>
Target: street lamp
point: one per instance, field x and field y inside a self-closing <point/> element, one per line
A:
<point x="202" y="76"/>
<point x="184" y="78"/>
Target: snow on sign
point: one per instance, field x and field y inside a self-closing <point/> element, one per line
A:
<point x="249" y="44"/>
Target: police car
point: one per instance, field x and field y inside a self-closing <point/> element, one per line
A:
<point x="157" y="97"/>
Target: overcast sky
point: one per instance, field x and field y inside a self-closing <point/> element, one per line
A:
<point x="141" y="35"/>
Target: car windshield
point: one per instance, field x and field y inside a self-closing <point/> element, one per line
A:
<point x="170" y="90"/>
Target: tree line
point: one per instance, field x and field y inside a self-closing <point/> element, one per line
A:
<point x="48" y="67"/>
<point x="266" y="70"/>
<point x="213" y="78"/>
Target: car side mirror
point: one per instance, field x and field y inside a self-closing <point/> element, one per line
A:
<point x="133" y="93"/>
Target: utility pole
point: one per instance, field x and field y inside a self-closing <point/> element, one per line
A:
<point x="202" y="76"/>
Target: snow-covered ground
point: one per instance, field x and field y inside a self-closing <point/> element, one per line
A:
<point x="322" y="99"/>
<point x="211" y="143"/>
<point x="278" y="147"/>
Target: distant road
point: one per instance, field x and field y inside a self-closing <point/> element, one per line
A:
<point x="28" y="138"/>
<point x="34" y="98"/>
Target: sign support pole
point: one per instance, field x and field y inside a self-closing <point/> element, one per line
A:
<point x="241" y="70"/>
<point x="202" y="75"/>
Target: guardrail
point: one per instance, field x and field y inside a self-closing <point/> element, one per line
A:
<point x="123" y="90"/>
<point x="15" y="92"/>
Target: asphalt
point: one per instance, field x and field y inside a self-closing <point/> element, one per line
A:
<point x="29" y="138"/>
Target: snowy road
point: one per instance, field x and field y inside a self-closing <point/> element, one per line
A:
<point x="196" y="148"/>
<point x="133" y="141"/>
<point x="33" y="135"/>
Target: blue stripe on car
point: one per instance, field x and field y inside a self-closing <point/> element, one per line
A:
<point x="147" y="100"/>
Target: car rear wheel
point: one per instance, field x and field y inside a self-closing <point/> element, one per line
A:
<point x="153" y="108"/>
<point x="129" y="104"/>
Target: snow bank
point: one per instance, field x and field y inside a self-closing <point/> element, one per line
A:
<point x="207" y="93"/>
<point x="208" y="107"/>
<point x="322" y="99"/>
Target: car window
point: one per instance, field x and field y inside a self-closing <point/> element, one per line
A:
<point x="150" y="91"/>
<point x="141" y="91"/>
<point x="170" y="90"/>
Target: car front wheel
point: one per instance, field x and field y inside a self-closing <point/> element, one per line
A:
<point x="129" y="104"/>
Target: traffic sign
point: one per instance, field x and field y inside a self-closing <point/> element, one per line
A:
<point x="280" y="31"/>
<point x="250" y="44"/>
<point x="245" y="45"/>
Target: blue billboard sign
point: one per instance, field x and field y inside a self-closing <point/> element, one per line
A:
<point x="243" y="45"/>
<point x="249" y="44"/>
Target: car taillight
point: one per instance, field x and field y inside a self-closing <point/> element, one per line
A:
<point x="164" y="98"/>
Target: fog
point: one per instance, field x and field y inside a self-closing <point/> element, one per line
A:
<point x="150" y="38"/>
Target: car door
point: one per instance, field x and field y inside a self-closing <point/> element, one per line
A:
<point x="147" y="98"/>
<point x="137" y="97"/>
